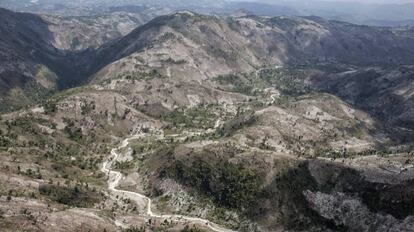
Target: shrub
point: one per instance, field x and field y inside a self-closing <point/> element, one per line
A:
<point x="134" y="229"/>
<point x="50" y="107"/>
<point x="192" y="229"/>
<point x="74" y="132"/>
<point x="75" y="196"/>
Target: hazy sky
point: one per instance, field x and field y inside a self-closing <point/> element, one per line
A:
<point x="360" y="1"/>
<point x="374" y="1"/>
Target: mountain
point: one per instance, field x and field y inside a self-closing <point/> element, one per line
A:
<point x="80" y="33"/>
<point x="373" y="13"/>
<point x="41" y="53"/>
<point x="246" y="122"/>
<point x="26" y="55"/>
<point x="367" y="13"/>
<point x="183" y="48"/>
<point x="268" y="41"/>
<point x="285" y="89"/>
<point x="387" y="93"/>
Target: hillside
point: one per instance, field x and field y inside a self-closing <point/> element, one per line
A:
<point x="26" y="54"/>
<point x="252" y="42"/>
<point x="42" y="54"/>
<point x="80" y="33"/>
<point x="201" y="123"/>
<point x="386" y="93"/>
<point x="53" y="48"/>
<point x="186" y="47"/>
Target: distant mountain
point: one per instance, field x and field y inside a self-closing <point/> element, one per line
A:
<point x="41" y="53"/>
<point x="51" y="44"/>
<point x="258" y="41"/>
<point x="381" y="14"/>
<point x="229" y="7"/>
<point x="367" y="13"/>
<point x="82" y="32"/>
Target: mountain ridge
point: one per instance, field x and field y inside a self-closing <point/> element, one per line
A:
<point x="251" y="123"/>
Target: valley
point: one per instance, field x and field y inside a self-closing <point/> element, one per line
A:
<point x="180" y="121"/>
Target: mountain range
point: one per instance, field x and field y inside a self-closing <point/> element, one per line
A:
<point x="241" y="121"/>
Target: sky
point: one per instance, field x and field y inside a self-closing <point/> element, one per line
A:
<point x="375" y="1"/>
<point x="359" y="1"/>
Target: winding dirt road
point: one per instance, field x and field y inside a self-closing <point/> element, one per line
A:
<point x="115" y="177"/>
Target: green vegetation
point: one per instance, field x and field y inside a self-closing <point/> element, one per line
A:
<point x="218" y="52"/>
<point x="25" y="124"/>
<point x="36" y="92"/>
<point x="69" y="92"/>
<point x="137" y="75"/>
<point x="87" y="107"/>
<point x="163" y="202"/>
<point x="22" y="96"/>
<point x="33" y="174"/>
<point x="192" y="229"/>
<point x="172" y="61"/>
<point x="239" y="84"/>
<point x="166" y="37"/>
<point x="49" y="106"/>
<point x="134" y="229"/>
<point x="4" y="141"/>
<point x="72" y="196"/>
<point x="200" y="117"/>
<point x="230" y="185"/>
<point x="241" y="120"/>
<point x="344" y="153"/>
<point x="145" y="145"/>
<point x="123" y="165"/>
<point x="60" y="153"/>
<point x="290" y="82"/>
<point x="74" y="132"/>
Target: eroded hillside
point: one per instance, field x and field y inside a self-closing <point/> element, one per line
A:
<point x="199" y="123"/>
